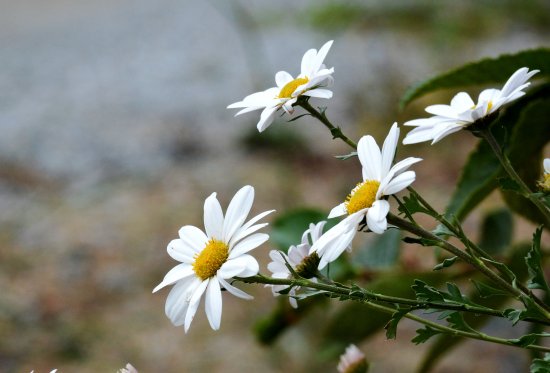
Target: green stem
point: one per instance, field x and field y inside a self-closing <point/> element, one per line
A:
<point x="367" y="298"/>
<point x="321" y="116"/>
<point x="475" y="262"/>
<point x="487" y="135"/>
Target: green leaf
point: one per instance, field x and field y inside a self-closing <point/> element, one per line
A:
<point x="446" y="263"/>
<point x="380" y="253"/>
<point x="411" y="205"/>
<point x="528" y="339"/>
<point x="541" y="365"/>
<point x="422" y="335"/>
<point x="490" y="70"/>
<point x="486" y="291"/>
<point x="534" y="264"/>
<point x="396" y="317"/>
<point x="288" y="228"/>
<point x="496" y="231"/>
<point x="424" y="292"/>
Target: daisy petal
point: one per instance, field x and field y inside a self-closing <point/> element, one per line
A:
<point x="399" y="183"/>
<point x="213" y="217"/>
<point x="319" y="92"/>
<point x="178" y="300"/>
<point x="237" y="211"/>
<point x="266" y="118"/>
<point x="320" y="56"/>
<point x="175" y="274"/>
<point x="338" y="211"/>
<point x="193" y="237"/>
<point x="180" y="251"/>
<point x="247" y="244"/>
<point x="388" y="149"/>
<point x="194" y="304"/>
<point x="370" y="158"/>
<point x="233" y="290"/>
<point x="213" y="304"/>
<point x="282" y="78"/>
<point x="242" y="266"/>
<point x="376" y="216"/>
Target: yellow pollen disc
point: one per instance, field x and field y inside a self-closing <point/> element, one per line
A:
<point x="545" y="183"/>
<point x="489" y="106"/>
<point x="210" y="259"/>
<point x="291" y="86"/>
<point x="362" y="196"/>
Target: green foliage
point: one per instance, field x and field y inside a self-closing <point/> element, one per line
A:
<point x="541" y="365"/>
<point x="391" y="326"/>
<point x="496" y="231"/>
<point x="534" y="264"/>
<point x="446" y="263"/>
<point x="380" y="253"/>
<point x="422" y="335"/>
<point x="288" y="228"/>
<point x="490" y="70"/>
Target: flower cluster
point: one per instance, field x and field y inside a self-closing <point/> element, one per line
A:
<point x="211" y="259"/>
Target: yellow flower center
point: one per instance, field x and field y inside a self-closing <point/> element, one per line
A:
<point x="210" y="259"/>
<point x="291" y="86"/>
<point x="362" y="196"/>
<point x="489" y="106"/>
<point x="545" y="183"/>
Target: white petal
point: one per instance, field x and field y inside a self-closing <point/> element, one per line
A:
<point x="180" y="251"/>
<point x="370" y="158"/>
<point x="237" y="211"/>
<point x="248" y="228"/>
<point x="320" y="56"/>
<point x="462" y="101"/>
<point x="266" y="118"/>
<point x="517" y="79"/>
<point x="233" y="290"/>
<point x="338" y="211"/>
<point x="282" y="78"/>
<point x="319" y="92"/>
<point x="441" y="110"/>
<point x="547" y="165"/>
<point x="193" y="237"/>
<point x="399" y="183"/>
<point x="447" y="130"/>
<point x="194" y="304"/>
<point x="213" y="217"/>
<point x="249" y="243"/>
<point x="316" y="231"/>
<point x="307" y="62"/>
<point x="178" y="299"/>
<point x="388" y="149"/>
<point x="242" y="266"/>
<point x="376" y="216"/>
<point x="213" y="304"/>
<point x="175" y="274"/>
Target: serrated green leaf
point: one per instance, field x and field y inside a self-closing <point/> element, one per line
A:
<point x="396" y="317"/>
<point x="411" y="205"/>
<point x="486" y="291"/>
<point x="446" y="263"/>
<point x="422" y="335"/>
<point x="424" y="292"/>
<point x="541" y="365"/>
<point x="456" y="321"/>
<point x="490" y="70"/>
<point x="496" y="231"/>
<point x="380" y="253"/>
<point x="534" y="264"/>
<point x="528" y="339"/>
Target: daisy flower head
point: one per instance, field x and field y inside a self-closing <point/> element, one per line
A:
<point x="314" y="76"/>
<point x="128" y="369"/>
<point x="368" y="200"/>
<point x="463" y="111"/>
<point x="352" y="361"/>
<point x="544" y="184"/>
<point x="299" y="259"/>
<point x="208" y="259"/>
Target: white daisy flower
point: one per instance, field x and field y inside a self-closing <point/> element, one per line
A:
<point x="368" y="200"/>
<point x="313" y="77"/>
<point x="462" y="111"/>
<point x="352" y="361"/>
<point x="544" y="184"/>
<point x="209" y="259"/>
<point x="128" y="369"/>
<point x="299" y="258"/>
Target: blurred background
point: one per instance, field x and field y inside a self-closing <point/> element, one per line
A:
<point x="113" y="130"/>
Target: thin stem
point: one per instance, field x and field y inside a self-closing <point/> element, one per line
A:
<point x="321" y="116"/>
<point x="475" y="262"/>
<point x="366" y="298"/>
<point x="487" y="135"/>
